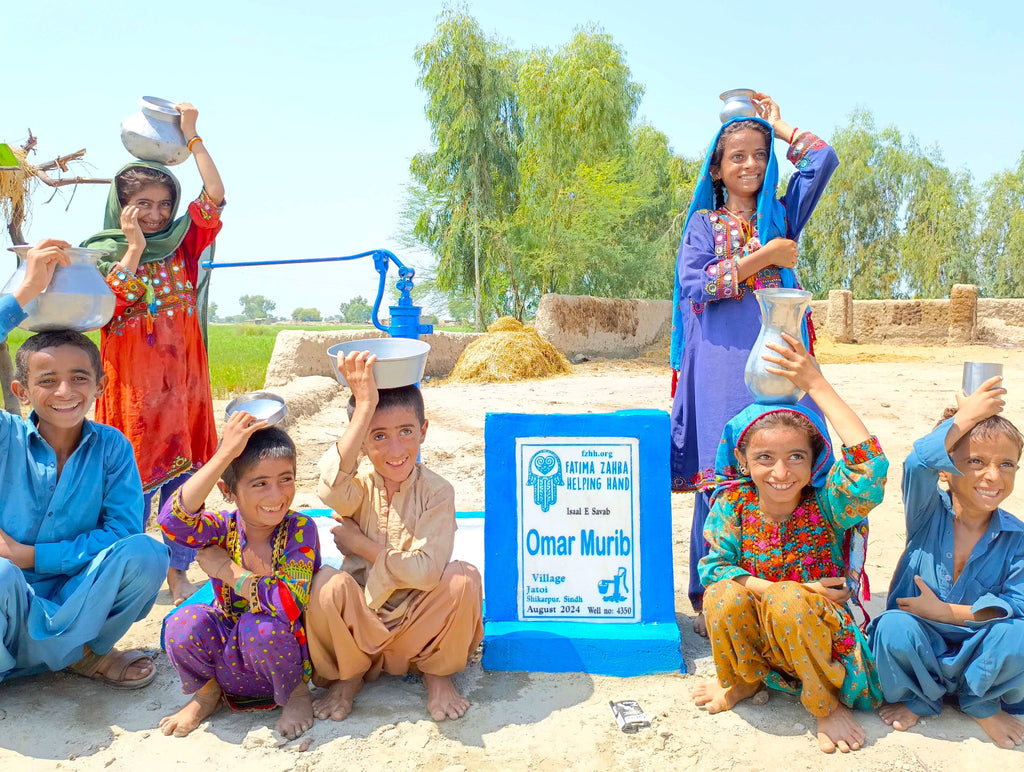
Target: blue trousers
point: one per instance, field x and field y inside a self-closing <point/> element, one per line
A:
<point x="698" y="548"/>
<point x="181" y="556"/>
<point x="920" y="662"/>
<point x="94" y="607"/>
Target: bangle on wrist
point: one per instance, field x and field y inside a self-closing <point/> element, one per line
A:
<point x="241" y="580"/>
<point x="791" y="137"/>
<point x="193" y="140"/>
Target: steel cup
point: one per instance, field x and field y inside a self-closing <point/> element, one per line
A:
<point x="976" y="373"/>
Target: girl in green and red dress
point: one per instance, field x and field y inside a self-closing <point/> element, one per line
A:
<point x="153" y="349"/>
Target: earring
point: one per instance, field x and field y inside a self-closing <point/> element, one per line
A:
<point x="743" y="470"/>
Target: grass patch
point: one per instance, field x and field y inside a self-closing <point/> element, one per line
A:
<point x="239" y="353"/>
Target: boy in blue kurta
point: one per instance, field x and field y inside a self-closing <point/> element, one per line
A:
<point x="75" y="568"/>
<point x="955" y="618"/>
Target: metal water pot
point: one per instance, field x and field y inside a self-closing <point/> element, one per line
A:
<point x="782" y="310"/>
<point x="154" y="133"/>
<point x="77" y="297"/>
<point x="737" y="104"/>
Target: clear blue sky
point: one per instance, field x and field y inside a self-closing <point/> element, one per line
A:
<point x="312" y="112"/>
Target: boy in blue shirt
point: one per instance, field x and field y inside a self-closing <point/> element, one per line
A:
<point x="955" y="619"/>
<point x="75" y="568"/>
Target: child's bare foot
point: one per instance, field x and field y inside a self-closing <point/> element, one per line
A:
<point x="179" y="585"/>
<point x="297" y="715"/>
<point x="201" y="706"/>
<point x="700" y="625"/>
<point x="898" y="716"/>
<point x="338" y="702"/>
<point x="716" y="698"/>
<point x="839" y="729"/>
<point x="1005" y="730"/>
<point x="443" y="699"/>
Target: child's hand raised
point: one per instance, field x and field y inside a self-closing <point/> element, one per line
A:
<point x="189" y="116"/>
<point x="794" y="362"/>
<point x="40" y="263"/>
<point x="237" y="431"/>
<point x="357" y="367"/>
<point x="985" y="402"/>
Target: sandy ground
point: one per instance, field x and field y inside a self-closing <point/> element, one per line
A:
<point x="536" y="720"/>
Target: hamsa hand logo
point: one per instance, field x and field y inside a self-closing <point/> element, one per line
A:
<point x="545" y="475"/>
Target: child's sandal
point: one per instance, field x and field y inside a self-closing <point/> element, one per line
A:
<point x="90" y="665"/>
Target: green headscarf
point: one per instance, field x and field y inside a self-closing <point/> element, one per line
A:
<point x="158" y="245"/>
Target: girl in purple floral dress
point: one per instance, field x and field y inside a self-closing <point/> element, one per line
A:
<point x="738" y="237"/>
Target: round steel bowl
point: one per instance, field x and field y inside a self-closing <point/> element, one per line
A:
<point x="400" y="361"/>
<point x="261" y="405"/>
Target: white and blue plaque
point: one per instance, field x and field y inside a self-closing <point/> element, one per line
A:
<point x="579" y="519"/>
<point x="578" y="544"/>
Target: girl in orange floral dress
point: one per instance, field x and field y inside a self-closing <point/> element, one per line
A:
<point x="777" y="578"/>
<point x="153" y="349"/>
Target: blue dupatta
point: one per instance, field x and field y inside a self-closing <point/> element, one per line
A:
<point x="771" y="223"/>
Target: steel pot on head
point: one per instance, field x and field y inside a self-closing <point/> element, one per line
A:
<point x="154" y="133"/>
<point x="738" y="104"/>
<point x="77" y="297"/>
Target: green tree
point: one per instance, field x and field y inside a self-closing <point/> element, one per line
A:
<point x="469" y="179"/>
<point x="1001" y="237"/>
<point x="356" y="310"/>
<point x="578" y="105"/>
<point x="852" y="240"/>
<point x="306" y="315"/>
<point x="212" y="312"/>
<point x="937" y="247"/>
<point x="256" y="306"/>
<point x="893" y="221"/>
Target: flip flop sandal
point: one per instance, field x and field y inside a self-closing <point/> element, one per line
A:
<point x="90" y="665"/>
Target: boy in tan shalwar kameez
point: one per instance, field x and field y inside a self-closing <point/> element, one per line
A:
<point x="399" y="602"/>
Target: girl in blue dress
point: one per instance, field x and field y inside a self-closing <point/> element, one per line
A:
<point x="738" y="237"/>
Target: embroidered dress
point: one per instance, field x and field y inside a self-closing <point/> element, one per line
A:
<point x="920" y="661"/>
<point x="254" y="646"/>
<point x="790" y="637"/>
<point x="716" y="318"/>
<point x="154" y="356"/>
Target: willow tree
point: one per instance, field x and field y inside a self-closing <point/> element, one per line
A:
<point x="893" y="221"/>
<point x="1001" y="237"/>
<point x="469" y="181"/>
<point x="578" y="105"/>
<point x="852" y="241"/>
<point x="937" y="248"/>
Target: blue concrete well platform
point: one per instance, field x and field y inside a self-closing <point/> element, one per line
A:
<point x="578" y="544"/>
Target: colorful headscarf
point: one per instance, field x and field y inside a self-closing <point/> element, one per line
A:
<point x="158" y="245"/>
<point x="727" y="466"/>
<point x="727" y="475"/>
<point x="771" y="222"/>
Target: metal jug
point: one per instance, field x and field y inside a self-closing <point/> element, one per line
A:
<point x="154" y="133"/>
<point x="77" y="297"/>
<point x="782" y="310"/>
<point x="737" y="104"/>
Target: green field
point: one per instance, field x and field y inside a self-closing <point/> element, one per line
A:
<point x="239" y="353"/>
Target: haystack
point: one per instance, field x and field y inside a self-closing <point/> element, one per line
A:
<point x="510" y="351"/>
